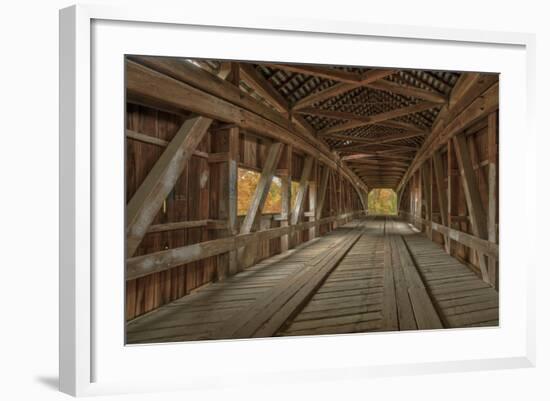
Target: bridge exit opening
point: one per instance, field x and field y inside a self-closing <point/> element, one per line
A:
<point x="382" y="201"/>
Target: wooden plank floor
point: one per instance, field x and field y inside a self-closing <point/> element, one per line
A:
<point x="202" y="314"/>
<point x="461" y="297"/>
<point x="371" y="275"/>
<point x="350" y="300"/>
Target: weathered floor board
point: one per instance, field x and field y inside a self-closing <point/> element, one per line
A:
<point x="374" y="274"/>
<point x="207" y="311"/>
<point x="461" y="297"/>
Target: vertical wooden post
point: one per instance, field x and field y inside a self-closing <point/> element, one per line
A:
<point x="340" y="194"/>
<point x="399" y="198"/>
<point x="219" y="181"/>
<point x="441" y="193"/>
<point x="483" y="191"/>
<point x="322" y="192"/>
<point x="298" y="208"/>
<point x="334" y="193"/>
<point x="253" y="215"/>
<point x="427" y="186"/>
<point x="235" y="74"/>
<point x="477" y="216"/>
<point x="492" y="132"/>
<point x="232" y="174"/>
<point x="412" y="195"/>
<point x="449" y="210"/>
<point x="312" y="194"/>
<point x="286" y="189"/>
<point x="418" y="200"/>
<point x="233" y="166"/>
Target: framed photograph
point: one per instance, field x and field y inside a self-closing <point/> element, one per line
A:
<point x="276" y="199"/>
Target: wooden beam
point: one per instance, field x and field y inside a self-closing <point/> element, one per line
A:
<point x="450" y="200"/>
<point x="232" y="187"/>
<point x="153" y="140"/>
<point x="352" y="117"/>
<point x="492" y="146"/>
<point x="298" y="208"/>
<point x="250" y="222"/>
<point x="380" y="163"/>
<point x="319" y="71"/>
<point x="286" y="189"/>
<point x="427" y="194"/>
<point x="312" y="197"/>
<point x="380" y="149"/>
<point x="478" y="219"/>
<point x="376" y="157"/>
<point x="339" y="88"/>
<point x="381" y="174"/>
<point x="194" y="80"/>
<point x="402" y="125"/>
<point x="381" y="117"/>
<point x="322" y="95"/>
<point x="148" y="199"/>
<point x="469" y="183"/>
<point x="158" y="88"/>
<point x="379" y="159"/>
<point x="468" y="104"/>
<point x="140" y="266"/>
<point x="380" y="169"/>
<point x="375" y="75"/>
<point x="482" y="246"/>
<point x="263" y="88"/>
<point x="322" y="193"/>
<point x="357" y="156"/>
<point x="219" y="157"/>
<point x="198" y="78"/>
<point x="476" y="162"/>
<point x="181" y="225"/>
<point x="384" y="139"/>
<point x="467" y="88"/>
<point x="235" y="73"/>
<point x="410" y="91"/>
<point x="441" y="193"/>
<point x="334" y="114"/>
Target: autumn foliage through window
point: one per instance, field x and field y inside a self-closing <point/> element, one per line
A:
<point x="247" y="183"/>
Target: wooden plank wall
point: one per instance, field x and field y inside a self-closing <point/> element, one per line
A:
<point x="198" y="195"/>
<point x="188" y="201"/>
<point x="477" y="140"/>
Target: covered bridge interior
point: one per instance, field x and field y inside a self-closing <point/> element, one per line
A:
<point x="204" y="264"/>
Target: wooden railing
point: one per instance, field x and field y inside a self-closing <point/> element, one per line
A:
<point x="488" y="248"/>
<point x="144" y="265"/>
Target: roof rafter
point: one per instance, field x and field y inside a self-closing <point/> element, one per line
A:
<point x="335" y="90"/>
<point x="385" y="161"/>
<point x="319" y="71"/>
<point x="389" y="86"/>
<point x="384" y="139"/>
<point x="382" y="147"/>
<point x="381" y="117"/>
<point x="267" y="92"/>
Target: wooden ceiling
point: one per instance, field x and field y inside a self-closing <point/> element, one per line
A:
<point x="376" y="119"/>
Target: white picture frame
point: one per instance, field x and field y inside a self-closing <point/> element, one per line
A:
<point x="93" y="360"/>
